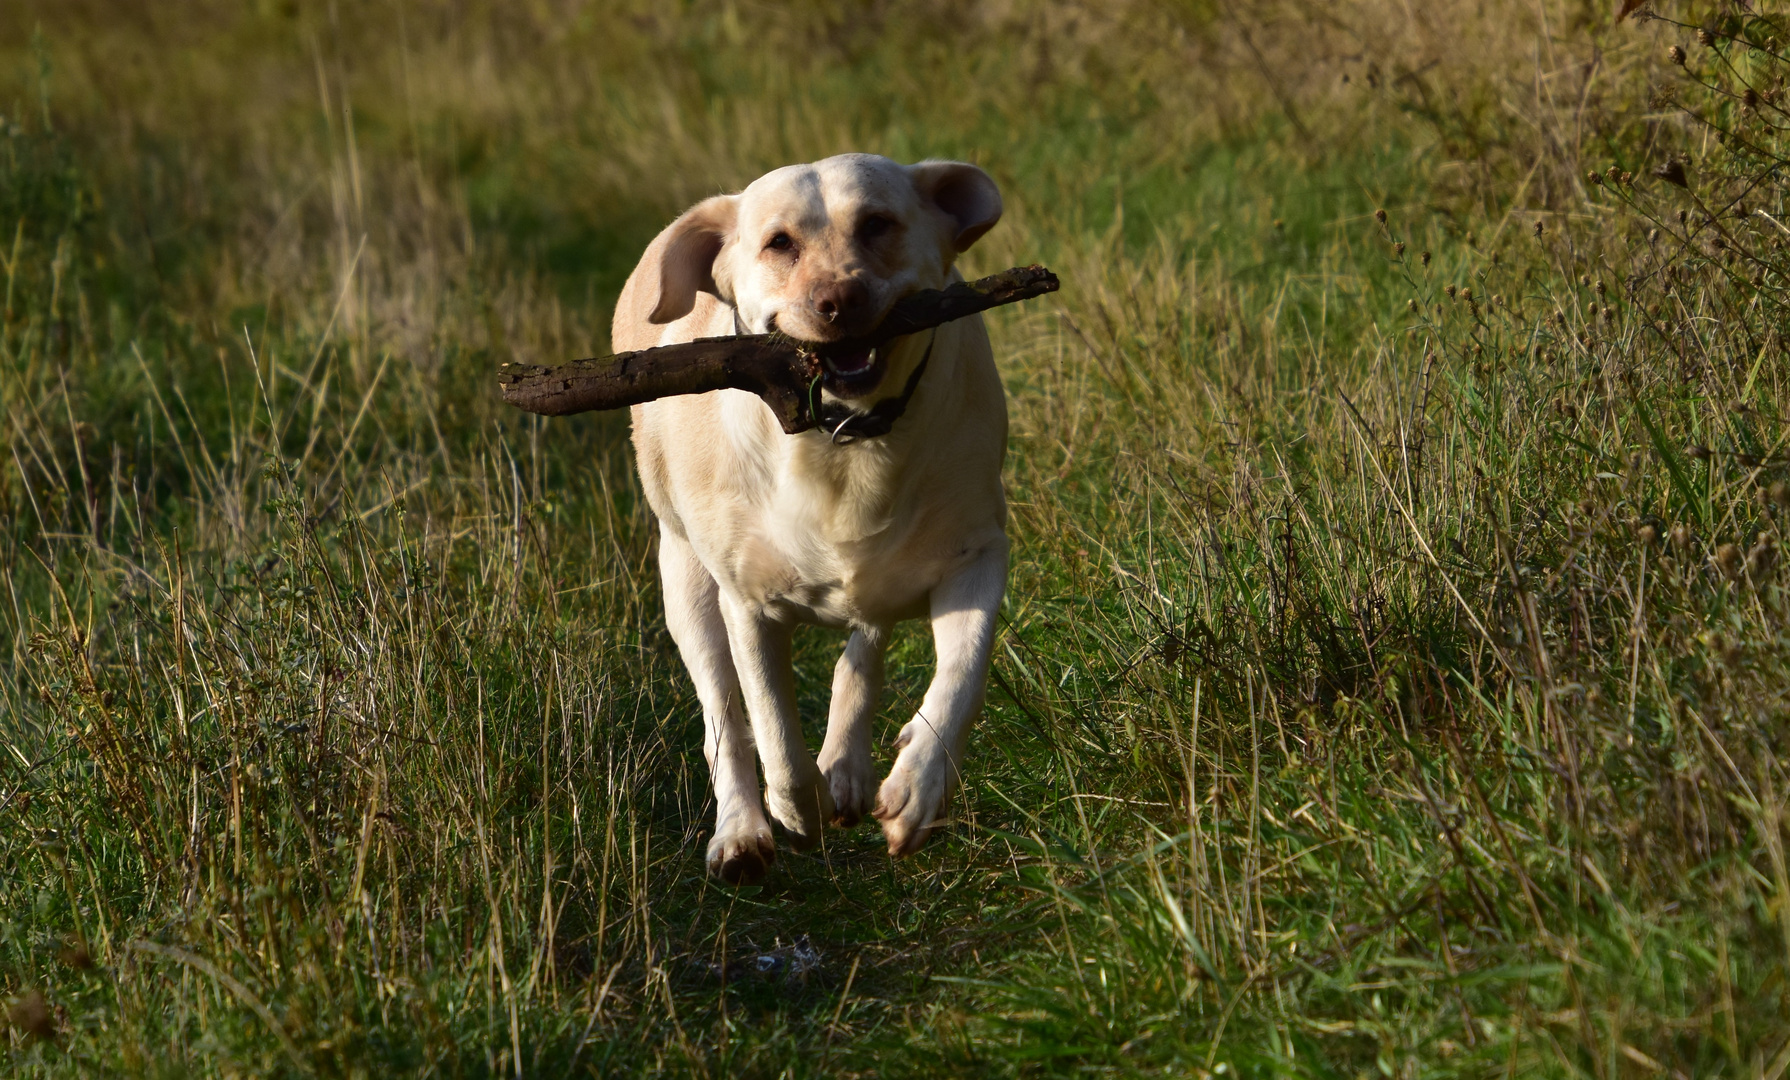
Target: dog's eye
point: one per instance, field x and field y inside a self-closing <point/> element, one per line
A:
<point x="779" y="242"/>
<point x="876" y="225"/>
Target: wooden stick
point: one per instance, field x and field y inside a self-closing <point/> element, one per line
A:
<point x="779" y="369"/>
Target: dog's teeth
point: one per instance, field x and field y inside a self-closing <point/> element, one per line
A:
<point x="855" y="365"/>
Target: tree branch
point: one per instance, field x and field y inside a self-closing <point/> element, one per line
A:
<point x="779" y="369"/>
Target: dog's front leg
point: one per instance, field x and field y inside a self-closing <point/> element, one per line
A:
<point x="741" y="850"/>
<point x="797" y="795"/>
<point x="845" y="755"/>
<point x="964" y="609"/>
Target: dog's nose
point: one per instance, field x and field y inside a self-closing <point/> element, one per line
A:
<point x="839" y="299"/>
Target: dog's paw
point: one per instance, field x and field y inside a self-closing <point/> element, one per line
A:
<point x="911" y="797"/>
<point x="849" y="779"/>
<point x="802" y="810"/>
<point x="742" y="856"/>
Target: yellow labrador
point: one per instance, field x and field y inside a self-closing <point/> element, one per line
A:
<point x="891" y="510"/>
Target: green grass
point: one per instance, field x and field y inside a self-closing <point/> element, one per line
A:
<point x="1390" y="682"/>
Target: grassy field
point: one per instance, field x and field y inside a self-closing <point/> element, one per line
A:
<point x="1394" y="678"/>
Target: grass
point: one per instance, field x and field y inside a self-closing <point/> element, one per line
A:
<point x="1391" y="679"/>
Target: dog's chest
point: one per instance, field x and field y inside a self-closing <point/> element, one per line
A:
<point x="839" y="540"/>
<point x="865" y="582"/>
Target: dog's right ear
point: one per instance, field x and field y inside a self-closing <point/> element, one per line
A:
<point x="687" y="264"/>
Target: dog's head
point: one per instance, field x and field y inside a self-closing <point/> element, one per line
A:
<point x="821" y="252"/>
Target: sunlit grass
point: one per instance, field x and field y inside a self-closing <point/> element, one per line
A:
<point x="1391" y="678"/>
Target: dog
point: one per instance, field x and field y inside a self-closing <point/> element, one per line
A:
<point x="892" y="509"/>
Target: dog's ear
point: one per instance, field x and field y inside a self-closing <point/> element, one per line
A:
<point x="964" y="193"/>
<point x="687" y="264"/>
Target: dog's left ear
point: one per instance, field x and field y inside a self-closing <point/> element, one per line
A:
<point x="964" y="193"/>
<point x="687" y="263"/>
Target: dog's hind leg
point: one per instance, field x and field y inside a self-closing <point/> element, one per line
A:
<point x="741" y="850"/>
<point x="796" y="793"/>
<point x="964" y="608"/>
<point x="845" y="755"/>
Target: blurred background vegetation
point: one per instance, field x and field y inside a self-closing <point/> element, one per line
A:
<point x="1392" y="678"/>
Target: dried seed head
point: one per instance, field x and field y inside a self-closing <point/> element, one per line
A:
<point x="1729" y="560"/>
<point x="1653" y="236"/>
<point x="1595" y="178"/>
<point x="1681" y="536"/>
<point x="1538" y="228"/>
<point x="31" y="1015"/>
<point x="1646" y="535"/>
<point x="1676" y="55"/>
<point x="74" y="955"/>
<point x="1628" y="178"/>
<point x="1411" y="305"/>
<point x="1380" y="216"/>
<point x="1424" y="256"/>
<point x="1399" y="249"/>
<point x="1612" y="174"/>
<point x="1705" y="38"/>
<point x="1750" y="98"/>
<point x="1684" y="217"/>
<point x="1450" y="290"/>
<point x="1700" y="453"/>
<point x="1467" y="294"/>
<point x="1762" y="560"/>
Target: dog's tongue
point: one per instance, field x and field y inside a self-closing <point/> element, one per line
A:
<point x="852" y="363"/>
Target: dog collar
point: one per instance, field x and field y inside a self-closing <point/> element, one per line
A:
<point x="844" y="424"/>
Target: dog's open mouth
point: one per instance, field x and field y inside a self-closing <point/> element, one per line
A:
<point x="853" y="374"/>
